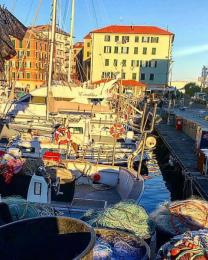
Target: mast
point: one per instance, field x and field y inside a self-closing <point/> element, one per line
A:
<point x="71" y="38"/>
<point x="53" y="31"/>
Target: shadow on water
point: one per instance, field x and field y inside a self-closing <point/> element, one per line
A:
<point x="172" y="174"/>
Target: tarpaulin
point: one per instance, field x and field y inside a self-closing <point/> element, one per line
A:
<point x="9" y="26"/>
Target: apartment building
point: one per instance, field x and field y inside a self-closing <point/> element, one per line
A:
<point x="77" y="69"/>
<point x="28" y="69"/>
<point x="141" y="53"/>
<point x="61" y="55"/>
<point x="87" y="56"/>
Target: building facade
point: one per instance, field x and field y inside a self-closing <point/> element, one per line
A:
<point x="61" y="54"/>
<point x="141" y="53"/>
<point x="28" y="69"/>
<point x="77" y="69"/>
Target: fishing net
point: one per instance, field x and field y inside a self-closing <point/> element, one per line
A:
<point x="21" y="209"/>
<point x="114" y="244"/>
<point x="181" y="216"/>
<point x="127" y="216"/>
<point x="190" y="245"/>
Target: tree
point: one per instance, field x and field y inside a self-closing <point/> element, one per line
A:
<point x="191" y="88"/>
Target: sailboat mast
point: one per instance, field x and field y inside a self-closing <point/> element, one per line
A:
<point x="53" y="31"/>
<point x="71" y="38"/>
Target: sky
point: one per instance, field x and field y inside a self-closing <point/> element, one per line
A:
<point x="187" y="19"/>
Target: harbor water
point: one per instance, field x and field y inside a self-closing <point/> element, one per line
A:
<point x="155" y="189"/>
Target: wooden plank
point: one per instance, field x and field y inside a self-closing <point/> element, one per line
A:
<point x="182" y="148"/>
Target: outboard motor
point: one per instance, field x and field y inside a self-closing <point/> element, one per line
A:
<point x="39" y="189"/>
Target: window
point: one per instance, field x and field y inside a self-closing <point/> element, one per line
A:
<point x="136" y="38"/>
<point x="28" y="44"/>
<point x="13" y="43"/>
<point x="145" y="39"/>
<point x="28" y="75"/>
<point x="135" y="50"/>
<point x="115" y="63"/>
<point x="28" y="64"/>
<point x="20" y="44"/>
<point x="115" y="49"/>
<point x="125" y="50"/>
<point x="123" y="75"/>
<point x="116" y="38"/>
<point x="20" y="64"/>
<point x="106" y="75"/>
<point x="106" y="62"/>
<point x="153" y="64"/>
<point x="28" y="53"/>
<point x="151" y="76"/>
<point x="13" y="75"/>
<point x="125" y="39"/>
<point x="107" y="38"/>
<point x="123" y="63"/>
<point x="154" y="39"/>
<point x="88" y="44"/>
<point x="153" y="51"/>
<point x="144" y="51"/>
<point x="134" y="76"/>
<point x="143" y="63"/>
<point x="107" y="49"/>
<point x="135" y="63"/>
<point x="45" y="47"/>
<point x="146" y="63"/>
<point x="88" y="54"/>
<point x="142" y="76"/>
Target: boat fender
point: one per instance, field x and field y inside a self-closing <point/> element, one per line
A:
<point x="96" y="177"/>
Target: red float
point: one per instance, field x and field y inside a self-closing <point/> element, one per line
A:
<point x="96" y="177"/>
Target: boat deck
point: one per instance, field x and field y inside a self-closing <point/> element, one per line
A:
<point x="88" y="192"/>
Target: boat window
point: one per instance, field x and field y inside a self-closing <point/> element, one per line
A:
<point x="28" y="149"/>
<point x="76" y="130"/>
<point x="63" y="99"/>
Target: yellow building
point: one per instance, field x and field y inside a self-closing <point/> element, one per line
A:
<point x="141" y="53"/>
<point x="87" y="55"/>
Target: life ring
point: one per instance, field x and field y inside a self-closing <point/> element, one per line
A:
<point x="117" y="130"/>
<point x="62" y="135"/>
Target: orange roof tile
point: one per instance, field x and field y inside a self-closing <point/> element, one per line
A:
<point x="46" y="27"/>
<point x="124" y="82"/>
<point x="88" y="36"/>
<point x="101" y="81"/>
<point x="78" y="45"/>
<point x="131" y="83"/>
<point x="132" y="29"/>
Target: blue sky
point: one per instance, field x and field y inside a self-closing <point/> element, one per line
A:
<point x="187" y="19"/>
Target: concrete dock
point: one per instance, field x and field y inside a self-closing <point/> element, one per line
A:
<point x="182" y="148"/>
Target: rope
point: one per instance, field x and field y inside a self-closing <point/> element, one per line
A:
<point x="179" y="217"/>
<point x="126" y="216"/>
<point x="21" y="209"/>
